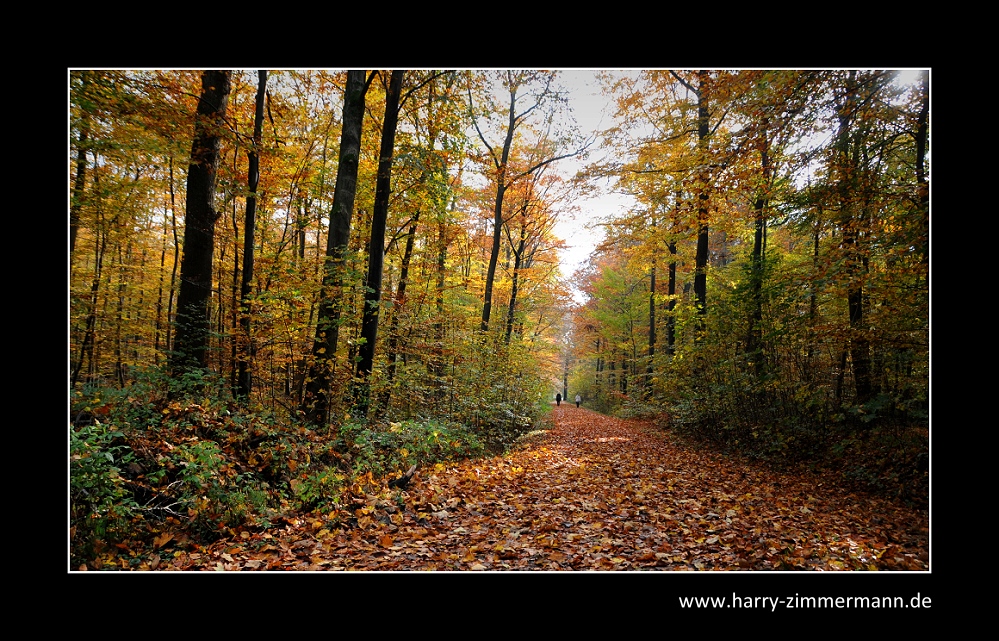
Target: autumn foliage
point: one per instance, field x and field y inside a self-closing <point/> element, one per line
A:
<point x="585" y="493"/>
<point x="802" y="334"/>
<point x="287" y="288"/>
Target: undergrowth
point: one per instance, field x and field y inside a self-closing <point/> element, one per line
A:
<point x="157" y="460"/>
<point x="869" y="447"/>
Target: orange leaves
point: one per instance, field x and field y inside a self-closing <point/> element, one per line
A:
<point x="162" y="540"/>
<point x="595" y="494"/>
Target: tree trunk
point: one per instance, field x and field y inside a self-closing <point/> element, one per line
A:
<point x="317" y="395"/>
<point x="813" y="299"/>
<point x="671" y="280"/>
<point x="168" y="342"/>
<point x="90" y="331"/>
<point x="191" y="338"/>
<point x="701" y="257"/>
<point x="391" y="350"/>
<point x="253" y="179"/>
<point x="649" y="370"/>
<point x="79" y="181"/>
<point x="494" y="252"/>
<point x="437" y="358"/>
<point x="847" y="156"/>
<point x="922" y="182"/>
<point x="754" y="338"/>
<point x="376" y="247"/>
<point x="518" y="253"/>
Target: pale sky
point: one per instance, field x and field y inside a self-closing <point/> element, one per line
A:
<point x="592" y="112"/>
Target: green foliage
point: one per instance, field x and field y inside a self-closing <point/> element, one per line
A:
<point x="216" y="496"/>
<point x="321" y="486"/>
<point x="636" y="408"/>
<point x="100" y="502"/>
<point x="383" y="450"/>
<point x="497" y="391"/>
<point x="142" y="460"/>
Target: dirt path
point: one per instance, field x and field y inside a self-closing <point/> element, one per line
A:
<point x="596" y="493"/>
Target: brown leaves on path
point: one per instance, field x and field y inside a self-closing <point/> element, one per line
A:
<point x="598" y="493"/>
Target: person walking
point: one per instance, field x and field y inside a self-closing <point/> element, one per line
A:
<point x="578" y="399"/>
<point x="558" y="399"/>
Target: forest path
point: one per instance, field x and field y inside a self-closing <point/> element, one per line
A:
<point x="599" y="493"/>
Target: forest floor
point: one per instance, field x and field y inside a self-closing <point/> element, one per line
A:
<point x="592" y="493"/>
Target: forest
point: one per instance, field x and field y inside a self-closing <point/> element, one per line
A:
<point x="289" y="288"/>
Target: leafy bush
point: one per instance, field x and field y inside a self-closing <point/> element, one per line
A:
<point x="153" y="456"/>
<point x="100" y="503"/>
<point x="400" y="445"/>
<point x="321" y="486"/>
<point x="214" y="493"/>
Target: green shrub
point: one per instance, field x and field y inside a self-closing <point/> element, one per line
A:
<point x="317" y="487"/>
<point x="400" y="445"/>
<point x="101" y="505"/>
<point x="215" y="495"/>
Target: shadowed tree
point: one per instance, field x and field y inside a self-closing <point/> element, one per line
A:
<point x="376" y="247"/>
<point x="316" y="398"/>
<point x="253" y="179"/>
<point x="191" y="338"/>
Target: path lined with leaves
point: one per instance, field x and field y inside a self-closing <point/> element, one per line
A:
<point x="594" y="493"/>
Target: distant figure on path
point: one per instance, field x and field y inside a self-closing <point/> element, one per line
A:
<point x="578" y="399"/>
<point x="558" y="399"/>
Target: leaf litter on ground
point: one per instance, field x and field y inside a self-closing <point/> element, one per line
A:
<point x="593" y="493"/>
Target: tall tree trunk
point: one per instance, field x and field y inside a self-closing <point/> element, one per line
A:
<point x="754" y="338"/>
<point x="598" y="366"/>
<point x="501" y="186"/>
<point x="813" y="298"/>
<point x="649" y="369"/>
<point x="922" y="182"/>
<point x="168" y="343"/>
<point x="159" y="297"/>
<point x="847" y="158"/>
<point x="518" y="253"/>
<point x="671" y="280"/>
<point x="253" y="180"/>
<point x="701" y="257"/>
<point x="79" y="181"/>
<point x="90" y="329"/>
<point x="191" y="338"/>
<point x="119" y="364"/>
<point x="391" y="349"/>
<point x="317" y="395"/>
<point x="437" y="359"/>
<point x="376" y="247"/>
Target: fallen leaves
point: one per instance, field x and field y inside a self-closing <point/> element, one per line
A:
<point x="594" y="493"/>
